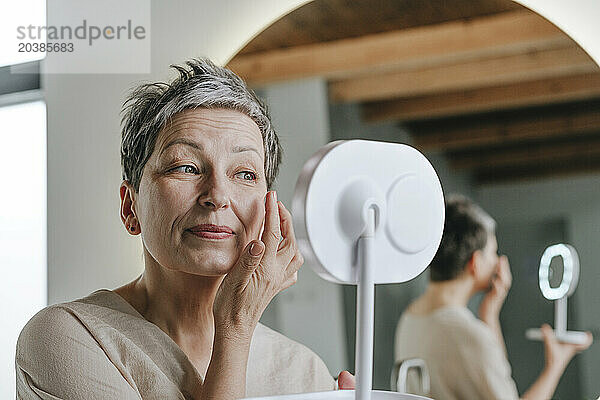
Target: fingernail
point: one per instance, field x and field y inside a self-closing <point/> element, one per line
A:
<point x="256" y="248"/>
<point x="275" y="196"/>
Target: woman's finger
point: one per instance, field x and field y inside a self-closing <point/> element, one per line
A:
<point x="295" y="264"/>
<point x="272" y="232"/>
<point x="504" y="271"/>
<point x="506" y="267"/>
<point x="247" y="263"/>
<point x="548" y="336"/>
<point x="496" y="286"/>
<point x="287" y="229"/>
<point x="290" y="281"/>
<point x="588" y="342"/>
<point x="346" y="381"/>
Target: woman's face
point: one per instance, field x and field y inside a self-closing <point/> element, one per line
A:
<point x="201" y="197"/>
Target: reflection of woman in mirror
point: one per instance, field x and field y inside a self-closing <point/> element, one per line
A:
<point x="466" y="356"/>
<point x="199" y="155"/>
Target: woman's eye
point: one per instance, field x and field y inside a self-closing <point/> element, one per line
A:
<point x="247" y="175"/>
<point x="186" y="169"/>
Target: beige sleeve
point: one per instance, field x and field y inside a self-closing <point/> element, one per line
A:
<point x="58" y="358"/>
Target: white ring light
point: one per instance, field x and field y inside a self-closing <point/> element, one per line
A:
<point x="559" y="294"/>
<point x="570" y="271"/>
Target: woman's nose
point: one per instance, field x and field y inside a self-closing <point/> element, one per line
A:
<point x="215" y="194"/>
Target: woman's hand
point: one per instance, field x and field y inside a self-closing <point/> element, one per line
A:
<point x="558" y="355"/>
<point x="264" y="269"/>
<point x="490" y="306"/>
<point x="346" y="381"/>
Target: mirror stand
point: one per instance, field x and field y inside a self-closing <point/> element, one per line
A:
<point x="560" y="293"/>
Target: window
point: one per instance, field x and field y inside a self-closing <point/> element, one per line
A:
<point x="23" y="262"/>
<point x="22" y="226"/>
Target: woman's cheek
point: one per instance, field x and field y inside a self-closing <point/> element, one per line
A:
<point x="251" y="212"/>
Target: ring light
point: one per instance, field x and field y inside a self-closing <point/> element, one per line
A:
<point x="570" y="271"/>
<point x="559" y="294"/>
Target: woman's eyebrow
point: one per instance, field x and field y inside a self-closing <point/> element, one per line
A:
<point x="184" y="141"/>
<point x="241" y="149"/>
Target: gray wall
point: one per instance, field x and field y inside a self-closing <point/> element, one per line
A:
<point x="576" y="201"/>
<point x="525" y="307"/>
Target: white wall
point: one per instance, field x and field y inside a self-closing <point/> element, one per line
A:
<point x="578" y="19"/>
<point x="88" y="247"/>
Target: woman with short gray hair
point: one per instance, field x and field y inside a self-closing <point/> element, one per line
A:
<point x="199" y="155"/>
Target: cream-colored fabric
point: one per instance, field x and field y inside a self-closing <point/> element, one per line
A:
<point x="464" y="358"/>
<point x="100" y="347"/>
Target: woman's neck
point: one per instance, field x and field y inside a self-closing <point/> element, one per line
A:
<point x="180" y="304"/>
<point x="453" y="293"/>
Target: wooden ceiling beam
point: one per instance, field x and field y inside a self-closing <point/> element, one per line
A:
<point x="471" y="74"/>
<point x="506" y="130"/>
<point x="547" y="91"/>
<point x="502" y="34"/>
<point x="560" y="168"/>
<point x="530" y="155"/>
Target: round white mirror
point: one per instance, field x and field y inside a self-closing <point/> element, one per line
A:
<point x="334" y="193"/>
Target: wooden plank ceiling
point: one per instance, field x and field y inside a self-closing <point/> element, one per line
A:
<point x="499" y="90"/>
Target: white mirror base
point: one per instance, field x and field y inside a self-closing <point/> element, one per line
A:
<point x="343" y="395"/>
<point x="574" y="337"/>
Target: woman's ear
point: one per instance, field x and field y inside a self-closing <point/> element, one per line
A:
<point x="128" y="217"/>
<point x="473" y="264"/>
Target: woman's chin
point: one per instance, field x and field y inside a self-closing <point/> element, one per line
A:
<point x="216" y="266"/>
<point x="216" y="271"/>
<point x="205" y="262"/>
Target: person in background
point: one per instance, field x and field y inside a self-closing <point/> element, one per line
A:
<point x="199" y="158"/>
<point x="466" y="356"/>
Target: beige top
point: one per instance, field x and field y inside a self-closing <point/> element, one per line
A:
<point x="100" y="347"/>
<point x="464" y="358"/>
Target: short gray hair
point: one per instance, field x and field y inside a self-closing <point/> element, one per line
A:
<point x="200" y="84"/>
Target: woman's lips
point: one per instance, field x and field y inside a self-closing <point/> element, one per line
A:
<point x="209" y="231"/>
